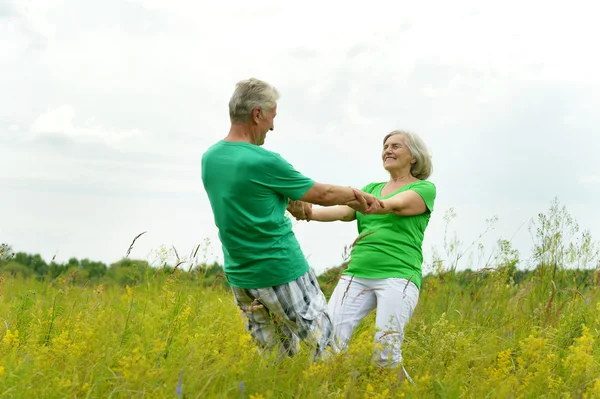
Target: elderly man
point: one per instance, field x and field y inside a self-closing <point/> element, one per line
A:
<point x="249" y="189"/>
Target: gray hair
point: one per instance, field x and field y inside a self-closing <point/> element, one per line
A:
<point x="423" y="167"/>
<point x="249" y="94"/>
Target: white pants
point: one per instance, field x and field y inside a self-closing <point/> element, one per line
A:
<point x="395" y="300"/>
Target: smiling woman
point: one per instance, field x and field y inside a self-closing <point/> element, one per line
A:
<point x="384" y="271"/>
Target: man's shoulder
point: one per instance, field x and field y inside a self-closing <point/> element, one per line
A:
<point x="228" y="148"/>
<point x="268" y="153"/>
<point x="270" y="158"/>
<point x="213" y="149"/>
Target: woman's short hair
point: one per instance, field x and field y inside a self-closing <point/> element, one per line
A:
<point x="423" y="167"/>
<point x="249" y="94"/>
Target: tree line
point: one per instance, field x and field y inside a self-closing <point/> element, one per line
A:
<point x="132" y="271"/>
<point x="86" y="271"/>
<point x="561" y="252"/>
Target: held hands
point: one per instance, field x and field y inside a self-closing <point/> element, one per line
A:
<point x="300" y="210"/>
<point x="365" y="203"/>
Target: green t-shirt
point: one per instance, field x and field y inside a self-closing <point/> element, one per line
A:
<point x="248" y="188"/>
<point x="392" y="244"/>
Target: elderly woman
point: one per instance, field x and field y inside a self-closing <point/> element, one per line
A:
<point x="384" y="272"/>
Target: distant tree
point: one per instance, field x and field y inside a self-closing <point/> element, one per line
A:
<point x="33" y="262"/>
<point x="213" y="270"/>
<point x="94" y="269"/>
<point x="128" y="271"/>
<point x="56" y="269"/>
<point x="22" y="258"/>
<point x="73" y="263"/>
<point x="16" y="269"/>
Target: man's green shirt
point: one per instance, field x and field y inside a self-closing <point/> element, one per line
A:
<point x="248" y="188"/>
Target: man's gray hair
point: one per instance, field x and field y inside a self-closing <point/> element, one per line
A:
<point x="249" y="94"/>
<point x="423" y="167"/>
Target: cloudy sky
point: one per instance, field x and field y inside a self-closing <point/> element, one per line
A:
<point x="106" y="108"/>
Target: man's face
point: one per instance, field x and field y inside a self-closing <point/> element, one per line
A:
<point x="265" y="123"/>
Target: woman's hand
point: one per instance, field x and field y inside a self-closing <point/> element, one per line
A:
<point x="365" y="203"/>
<point x="300" y="210"/>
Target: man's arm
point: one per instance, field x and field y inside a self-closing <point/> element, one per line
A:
<point x="281" y="176"/>
<point x="330" y="195"/>
<point x="302" y="209"/>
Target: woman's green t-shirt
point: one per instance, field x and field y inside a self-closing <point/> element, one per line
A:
<point x="390" y="245"/>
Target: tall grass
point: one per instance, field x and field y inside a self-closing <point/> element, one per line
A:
<point x="492" y="333"/>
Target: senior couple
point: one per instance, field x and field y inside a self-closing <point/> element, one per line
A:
<point x="250" y="189"/>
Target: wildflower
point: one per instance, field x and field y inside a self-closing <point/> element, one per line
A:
<point x="159" y="346"/>
<point x="593" y="392"/>
<point x="244" y="339"/>
<point x="133" y="366"/>
<point x="185" y="314"/>
<point x="61" y="342"/>
<point x="580" y="360"/>
<point x="11" y="338"/>
<point x="313" y="370"/>
<point x="504" y="366"/>
<point x="532" y="350"/>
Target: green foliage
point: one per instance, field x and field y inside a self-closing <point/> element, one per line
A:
<point x="498" y="330"/>
<point x="559" y="244"/>
<point x="475" y="334"/>
<point x="16" y="269"/>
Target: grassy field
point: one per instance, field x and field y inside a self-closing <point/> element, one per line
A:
<point x="498" y="332"/>
<point x="167" y="336"/>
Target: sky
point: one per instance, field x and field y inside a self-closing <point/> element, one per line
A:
<point x="106" y="108"/>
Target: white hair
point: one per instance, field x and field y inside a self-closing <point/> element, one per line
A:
<point x="423" y="167"/>
<point x="250" y="94"/>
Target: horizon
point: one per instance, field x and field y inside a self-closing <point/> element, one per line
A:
<point x="556" y="214"/>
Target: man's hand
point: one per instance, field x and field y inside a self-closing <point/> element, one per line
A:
<point x="300" y="210"/>
<point x="365" y="203"/>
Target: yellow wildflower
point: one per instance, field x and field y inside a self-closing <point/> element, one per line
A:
<point x="504" y="366"/>
<point x="580" y="360"/>
<point x="244" y="339"/>
<point x="11" y="338"/>
<point x="185" y="314"/>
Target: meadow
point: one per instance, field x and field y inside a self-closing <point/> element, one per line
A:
<point x="496" y="331"/>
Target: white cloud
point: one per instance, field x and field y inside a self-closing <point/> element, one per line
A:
<point x="60" y="121"/>
<point x="32" y="19"/>
<point x="590" y="179"/>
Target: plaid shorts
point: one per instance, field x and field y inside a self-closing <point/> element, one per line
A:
<point x="282" y="315"/>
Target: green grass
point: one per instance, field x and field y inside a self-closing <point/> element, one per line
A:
<point x="499" y="332"/>
<point x="482" y="336"/>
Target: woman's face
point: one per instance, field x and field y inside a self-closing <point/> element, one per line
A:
<point x="396" y="155"/>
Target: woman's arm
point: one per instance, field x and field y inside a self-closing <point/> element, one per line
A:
<point x="333" y="213"/>
<point x="406" y="203"/>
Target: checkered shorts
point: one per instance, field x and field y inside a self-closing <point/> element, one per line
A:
<point x="282" y="315"/>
